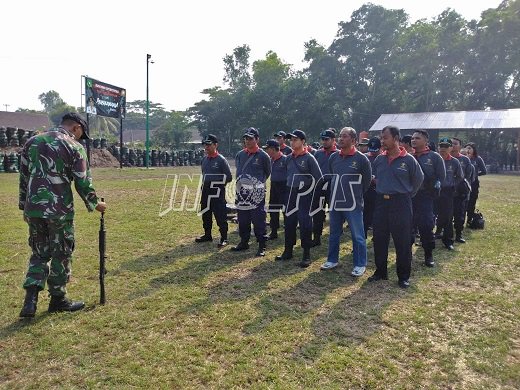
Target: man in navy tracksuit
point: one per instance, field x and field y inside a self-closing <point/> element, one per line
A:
<point x="432" y="166"/>
<point x="369" y="198"/>
<point x="479" y="169"/>
<point x="351" y="175"/>
<point x="303" y="174"/>
<point x="280" y="137"/>
<point x="321" y="197"/>
<point x="253" y="170"/>
<point x="398" y="178"/>
<point x="460" y="201"/>
<point x="444" y="204"/>
<point x="278" y="191"/>
<point x="216" y="174"/>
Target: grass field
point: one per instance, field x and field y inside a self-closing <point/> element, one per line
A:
<point x="185" y="316"/>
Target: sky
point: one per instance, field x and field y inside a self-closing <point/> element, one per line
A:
<point x="49" y="45"/>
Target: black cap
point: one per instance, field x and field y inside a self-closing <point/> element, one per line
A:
<point x="280" y="134"/>
<point x="251" y="132"/>
<point x="210" y="139"/>
<point x="298" y="134"/>
<point x="406" y="139"/>
<point x="374" y="144"/>
<point x="75" y="117"/>
<point x="445" y="141"/>
<point x="271" y="143"/>
<point x="316" y="145"/>
<point x="328" y="134"/>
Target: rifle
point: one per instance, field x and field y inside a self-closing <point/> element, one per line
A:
<point x="102" y="256"/>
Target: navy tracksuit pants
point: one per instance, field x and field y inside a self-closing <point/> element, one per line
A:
<point x="393" y="216"/>
<point x="256" y="216"/>
<point x="277" y="200"/>
<point x="318" y="219"/>
<point x="424" y="219"/>
<point x="445" y="217"/>
<point x="298" y="212"/>
<point x="217" y="207"/>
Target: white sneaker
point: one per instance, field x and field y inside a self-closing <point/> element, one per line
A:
<point x="328" y="265"/>
<point x="358" y="271"/>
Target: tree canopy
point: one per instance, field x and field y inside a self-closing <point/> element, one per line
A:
<point x="379" y="62"/>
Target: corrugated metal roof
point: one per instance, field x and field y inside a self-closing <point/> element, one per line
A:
<point x="495" y="119"/>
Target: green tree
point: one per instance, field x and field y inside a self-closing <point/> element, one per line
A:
<point x="173" y="132"/>
<point x="50" y="101"/>
<point x="58" y="111"/>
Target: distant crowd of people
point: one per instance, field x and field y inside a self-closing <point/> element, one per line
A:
<point x="399" y="187"/>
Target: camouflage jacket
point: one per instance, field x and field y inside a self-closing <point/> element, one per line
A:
<point x="49" y="163"/>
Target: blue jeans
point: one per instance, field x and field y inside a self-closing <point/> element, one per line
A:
<point x="355" y="223"/>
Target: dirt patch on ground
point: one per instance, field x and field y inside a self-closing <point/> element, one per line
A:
<point x="102" y="158"/>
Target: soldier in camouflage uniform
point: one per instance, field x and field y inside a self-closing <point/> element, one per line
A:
<point x="50" y="162"/>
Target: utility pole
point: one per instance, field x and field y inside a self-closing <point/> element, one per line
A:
<point x="6" y="105"/>
<point x="147" y="156"/>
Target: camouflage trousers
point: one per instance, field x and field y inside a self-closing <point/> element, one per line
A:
<point x="50" y="240"/>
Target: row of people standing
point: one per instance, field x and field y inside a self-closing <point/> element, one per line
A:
<point x="391" y="190"/>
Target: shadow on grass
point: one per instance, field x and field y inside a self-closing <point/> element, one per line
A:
<point x="164" y="259"/>
<point x="20" y="324"/>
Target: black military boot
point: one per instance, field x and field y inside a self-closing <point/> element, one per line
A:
<point x="458" y="237"/>
<point x="261" y="249"/>
<point x="63" y="304"/>
<point x="205" y="238"/>
<point x="286" y="255"/>
<point x="30" y="302"/>
<point x="306" y="258"/>
<point x="242" y="246"/>
<point x="428" y="258"/>
<point x="317" y="239"/>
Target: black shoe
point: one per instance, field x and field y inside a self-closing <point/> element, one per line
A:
<point x="460" y="240"/>
<point x="306" y="258"/>
<point x="204" y="238"/>
<point x="273" y="235"/>
<point x="30" y="302"/>
<point x="316" y="242"/>
<point x="58" y="304"/>
<point x="449" y="247"/>
<point x="286" y="255"/>
<point x="404" y="283"/>
<point x="222" y="243"/>
<point x="376" y="277"/>
<point x="261" y="250"/>
<point x="428" y="259"/>
<point x="242" y="246"/>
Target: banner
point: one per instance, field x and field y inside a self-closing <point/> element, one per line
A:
<point x="104" y="99"/>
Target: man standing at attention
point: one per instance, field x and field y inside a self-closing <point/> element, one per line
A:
<point x="398" y="178"/>
<point x="278" y="191"/>
<point x="303" y="174"/>
<point x="351" y="176"/>
<point x="432" y="166"/>
<point x="215" y="175"/>
<point x="50" y="162"/>
<point x="253" y="170"/>
<point x="454" y="177"/>
<point x="460" y="201"/>
<point x="280" y="137"/>
<point x="322" y="155"/>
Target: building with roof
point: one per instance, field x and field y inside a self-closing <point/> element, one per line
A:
<point x="435" y="122"/>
